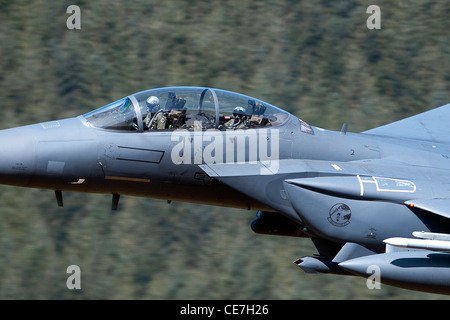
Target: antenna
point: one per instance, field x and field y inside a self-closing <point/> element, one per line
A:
<point x="344" y="128"/>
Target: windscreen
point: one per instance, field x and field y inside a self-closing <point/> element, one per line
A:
<point x="119" y="115"/>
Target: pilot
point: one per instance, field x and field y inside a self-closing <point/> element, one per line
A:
<point x="156" y="117"/>
<point x="238" y="120"/>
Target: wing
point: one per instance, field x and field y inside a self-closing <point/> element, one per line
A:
<point x="439" y="206"/>
<point x="429" y="126"/>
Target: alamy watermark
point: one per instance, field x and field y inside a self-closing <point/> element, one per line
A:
<point x="374" y="21"/>
<point x="374" y="280"/>
<point x="74" y="20"/>
<point x="214" y="146"/>
<point x="74" y="280"/>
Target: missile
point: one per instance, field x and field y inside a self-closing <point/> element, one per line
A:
<point x="431" y="235"/>
<point x="426" y="244"/>
<point x="415" y="270"/>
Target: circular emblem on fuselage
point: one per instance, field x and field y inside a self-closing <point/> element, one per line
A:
<point x="339" y="215"/>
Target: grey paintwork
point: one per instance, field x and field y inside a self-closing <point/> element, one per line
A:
<point x="346" y="191"/>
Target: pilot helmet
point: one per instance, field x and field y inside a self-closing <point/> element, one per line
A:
<point x="153" y="103"/>
<point x="239" y="111"/>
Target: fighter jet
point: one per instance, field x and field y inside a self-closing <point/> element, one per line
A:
<point x="376" y="198"/>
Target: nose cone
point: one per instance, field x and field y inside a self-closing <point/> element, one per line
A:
<point x="17" y="155"/>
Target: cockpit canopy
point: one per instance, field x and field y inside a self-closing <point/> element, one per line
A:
<point x="186" y="108"/>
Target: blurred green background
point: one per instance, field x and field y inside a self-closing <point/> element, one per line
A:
<point x="316" y="59"/>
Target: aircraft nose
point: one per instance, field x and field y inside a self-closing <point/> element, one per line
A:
<point x="17" y="156"/>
